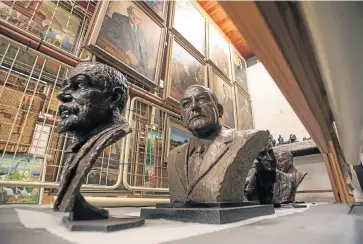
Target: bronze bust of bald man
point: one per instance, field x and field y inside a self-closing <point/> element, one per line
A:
<point x="212" y="167"/>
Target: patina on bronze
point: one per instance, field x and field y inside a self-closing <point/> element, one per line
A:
<point x="93" y="96"/>
<point x="213" y="165"/>
<point x="273" y="178"/>
<point x="262" y="177"/>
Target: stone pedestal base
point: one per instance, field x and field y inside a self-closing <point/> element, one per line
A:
<point x="216" y="214"/>
<point x="106" y="225"/>
<point x="356" y="209"/>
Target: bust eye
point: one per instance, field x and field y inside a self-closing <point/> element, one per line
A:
<point x="185" y="104"/>
<point x="203" y="99"/>
<point x="81" y="83"/>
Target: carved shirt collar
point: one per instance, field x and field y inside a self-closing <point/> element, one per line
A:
<point x="75" y="147"/>
<point x="200" y="145"/>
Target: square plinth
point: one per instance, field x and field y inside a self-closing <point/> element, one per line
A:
<point x="212" y="215"/>
<point x="206" y="205"/>
<point x="105" y="225"/>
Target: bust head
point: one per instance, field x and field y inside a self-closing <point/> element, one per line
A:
<point x="200" y="111"/>
<point x="267" y="159"/>
<point x="93" y="96"/>
<point x="134" y="15"/>
<point x="292" y="138"/>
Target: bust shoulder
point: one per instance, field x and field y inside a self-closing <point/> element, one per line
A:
<point x="239" y="133"/>
<point x="176" y="150"/>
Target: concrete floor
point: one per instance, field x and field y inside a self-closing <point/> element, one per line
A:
<point x="13" y="232"/>
<point x="322" y="224"/>
<point x="325" y="224"/>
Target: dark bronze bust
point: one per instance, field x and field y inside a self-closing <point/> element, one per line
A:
<point x="280" y="140"/>
<point x="213" y="165"/>
<point x="273" y="178"/>
<point x="292" y="138"/>
<point x="93" y="97"/>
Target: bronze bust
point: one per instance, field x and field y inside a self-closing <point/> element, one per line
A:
<point x="93" y="97"/>
<point x="273" y="177"/>
<point x="213" y="165"/>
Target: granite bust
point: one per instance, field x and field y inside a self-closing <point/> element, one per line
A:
<point x="213" y="165"/>
<point x="93" y="96"/>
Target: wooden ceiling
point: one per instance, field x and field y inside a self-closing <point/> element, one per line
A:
<point x="220" y="17"/>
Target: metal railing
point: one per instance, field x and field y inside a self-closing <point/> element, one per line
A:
<point x="61" y="25"/>
<point x="31" y="148"/>
<point x="145" y="168"/>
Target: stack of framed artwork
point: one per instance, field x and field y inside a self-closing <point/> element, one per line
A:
<point x="62" y="24"/>
<point x="199" y="53"/>
<point x="142" y="38"/>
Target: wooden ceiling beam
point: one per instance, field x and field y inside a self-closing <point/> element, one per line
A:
<point x="221" y="18"/>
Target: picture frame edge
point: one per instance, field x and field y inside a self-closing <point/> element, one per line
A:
<point x="232" y="86"/>
<point x="168" y="71"/>
<point x="234" y="50"/>
<point x="91" y="46"/>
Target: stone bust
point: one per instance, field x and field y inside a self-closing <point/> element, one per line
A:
<point x="213" y="165"/>
<point x="93" y="96"/>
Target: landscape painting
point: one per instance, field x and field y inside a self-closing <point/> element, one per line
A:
<point x="244" y="112"/>
<point x="19" y="166"/>
<point x="185" y="71"/>
<point x="219" y="50"/>
<point x="239" y="70"/>
<point x="177" y="135"/>
<point x="224" y="93"/>
<point x="185" y="16"/>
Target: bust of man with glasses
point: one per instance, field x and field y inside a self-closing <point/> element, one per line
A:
<point x="212" y="167"/>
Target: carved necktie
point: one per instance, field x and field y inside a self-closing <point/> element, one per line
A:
<point x="195" y="161"/>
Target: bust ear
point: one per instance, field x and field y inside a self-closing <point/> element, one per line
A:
<point x="220" y="110"/>
<point x="116" y="96"/>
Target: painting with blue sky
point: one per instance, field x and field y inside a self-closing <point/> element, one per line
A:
<point x="178" y="137"/>
<point x="20" y="166"/>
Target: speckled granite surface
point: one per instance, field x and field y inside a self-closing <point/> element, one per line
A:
<point x="302" y="145"/>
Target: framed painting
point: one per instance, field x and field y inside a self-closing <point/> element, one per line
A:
<point x="219" y="52"/>
<point x="54" y="23"/>
<point x="185" y="15"/>
<point x="158" y="6"/>
<point x="225" y="95"/>
<point x="21" y="167"/>
<point x="61" y="28"/>
<point x="183" y="70"/>
<point x="128" y="35"/>
<point x="30" y="62"/>
<point x="239" y="67"/>
<point x="244" y="110"/>
<point x="177" y="135"/>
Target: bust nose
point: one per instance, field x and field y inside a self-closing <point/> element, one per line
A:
<point x="195" y="104"/>
<point x="64" y="96"/>
<point x="195" y="109"/>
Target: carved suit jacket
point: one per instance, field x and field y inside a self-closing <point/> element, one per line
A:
<point x="224" y="169"/>
<point x="81" y="162"/>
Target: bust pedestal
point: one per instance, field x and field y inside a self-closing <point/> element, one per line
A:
<point x="208" y="213"/>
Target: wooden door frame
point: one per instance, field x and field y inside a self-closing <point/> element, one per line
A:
<point x="278" y="37"/>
